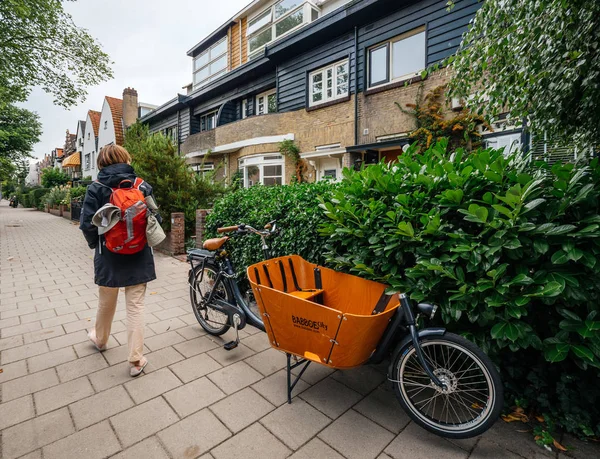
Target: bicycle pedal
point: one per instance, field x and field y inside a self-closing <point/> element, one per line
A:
<point x="230" y="345"/>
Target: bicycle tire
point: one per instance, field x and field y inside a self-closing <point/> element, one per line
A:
<point x="467" y="390"/>
<point x="219" y="322"/>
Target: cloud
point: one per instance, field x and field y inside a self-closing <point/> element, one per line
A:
<point x="147" y="41"/>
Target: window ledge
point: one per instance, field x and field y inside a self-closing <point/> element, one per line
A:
<point x="328" y="104"/>
<point x="395" y="84"/>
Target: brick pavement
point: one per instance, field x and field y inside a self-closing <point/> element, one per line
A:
<point x="60" y="398"/>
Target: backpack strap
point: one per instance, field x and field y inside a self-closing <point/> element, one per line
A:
<point x="105" y="186"/>
<point x="138" y="182"/>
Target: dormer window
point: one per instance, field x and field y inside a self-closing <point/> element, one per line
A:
<point x="278" y="20"/>
<point x="211" y="64"/>
<point x="88" y="136"/>
<point x="105" y="125"/>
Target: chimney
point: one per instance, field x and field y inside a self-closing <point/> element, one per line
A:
<point x="130" y="106"/>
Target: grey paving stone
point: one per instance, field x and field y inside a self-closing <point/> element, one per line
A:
<point x="257" y="342"/>
<point x="166" y="314"/>
<point x="255" y="442"/>
<point x="314" y="373"/>
<point x="274" y="388"/>
<point x="164" y="326"/>
<point x="13" y="370"/>
<point x="520" y="442"/>
<point x="28" y="384"/>
<point x="189" y="319"/>
<point x="100" y="406"/>
<point x="355" y="436"/>
<point x="331" y="397"/>
<point x="84" y="324"/>
<point x="119" y="354"/>
<point x="382" y="407"/>
<point x="20" y="329"/>
<point x="267" y="362"/>
<point x="149" y="386"/>
<point x="195" y="367"/>
<point x="195" y="346"/>
<point x="157" y="342"/>
<point x="27" y="318"/>
<point x="235" y="377"/>
<point x="96" y="442"/>
<point x="67" y="340"/>
<point x="241" y="409"/>
<point x="316" y="449"/>
<point x="363" y="379"/>
<point x="416" y="443"/>
<point x="194" y="435"/>
<point x="16" y="411"/>
<point x="143" y="420"/>
<point x="33" y="455"/>
<point x="24" y="352"/>
<point x="43" y="334"/>
<point x="11" y="322"/>
<point x="193" y="396"/>
<point x="60" y="320"/>
<point x="295" y="423"/>
<point x="77" y="368"/>
<point x="8" y="343"/>
<point x="87" y="347"/>
<point x="161" y="359"/>
<point x="147" y="449"/>
<point x="51" y="359"/>
<point x="110" y="377"/>
<point x="486" y="449"/>
<point x="62" y="395"/>
<point x="36" y="433"/>
<point x="225" y="357"/>
<point x="577" y="449"/>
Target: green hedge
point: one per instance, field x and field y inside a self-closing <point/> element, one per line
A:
<point x="295" y="207"/>
<point x="37" y="195"/>
<point x="509" y="249"/>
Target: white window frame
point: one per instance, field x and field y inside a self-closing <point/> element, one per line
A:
<point x="510" y="141"/>
<point x="323" y="72"/>
<point x="213" y="114"/>
<point x="87" y="161"/>
<point x="260" y="161"/>
<point x="203" y="168"/>
<point x="171" y="132"/>
<point x="265" y="96"/>
<point x="307" y="9"/>
<point x="211" y="60"/>
<point x="389" y="44"/>
<point x="244" y="108"/>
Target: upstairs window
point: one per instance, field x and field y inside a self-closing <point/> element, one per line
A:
<point x="329" y="83"/>
<point x="208" y="121"/>
<point x="276" y="21"/>
<point x="211" y="64"/>
<point x="171" y="133"/>
<point x="266" y="102"/>
<point x="398" y="59"/>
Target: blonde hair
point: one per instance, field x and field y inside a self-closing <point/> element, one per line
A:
<point x="112" y="154"/>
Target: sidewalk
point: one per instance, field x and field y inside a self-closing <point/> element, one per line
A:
<point x="60" y="398"/>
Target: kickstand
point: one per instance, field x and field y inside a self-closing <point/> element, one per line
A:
<point x="233" y="344"/>
<point x="290" y="367"/>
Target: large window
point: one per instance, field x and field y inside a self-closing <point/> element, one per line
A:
<point x="262" y="170"/>
<point x="329" y="83"/>
<point x="397" y="59"/>
<point x="87" y="162"/>
<point x="276" y="21"/>
<point x="171" y="132"/>
<point x="208" y="121"/>
<point x="266" y="102"/>
<point x="211" y="64"/>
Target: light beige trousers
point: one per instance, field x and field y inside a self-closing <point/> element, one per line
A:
<point x="107" y="304"/>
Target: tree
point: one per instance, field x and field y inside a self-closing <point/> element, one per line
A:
<point x="53" y="177"/>
<point x="20" y="130"/>
<point x="41" y="46"/>
<point x="540" y="59"/>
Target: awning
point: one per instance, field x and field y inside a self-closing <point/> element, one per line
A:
<point x="72" y="161"/>
<point x="329" y="153"/>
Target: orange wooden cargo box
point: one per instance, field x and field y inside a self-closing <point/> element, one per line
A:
<point x="319" y="314"/>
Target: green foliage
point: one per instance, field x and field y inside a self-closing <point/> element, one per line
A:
<point x="52" y="177"/>
<point x="57" y="195"/>
<point x="78" y="192"/>
<point x="539" y="58"/>
<point x="20" y="130"/>
<point x="510" y="251"/>
<point x="176" y="187"/>
<point x="295" y="207"/>
<point x="41" y="46"/>
<point x="292" y="151"/>
<point x="37" y="196"/>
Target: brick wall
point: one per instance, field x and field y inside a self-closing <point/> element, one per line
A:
<point x="198" y="142"/>
<point x="201" y="226"/>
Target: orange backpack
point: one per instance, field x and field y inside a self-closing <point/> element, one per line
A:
<point x="128" y="236"/>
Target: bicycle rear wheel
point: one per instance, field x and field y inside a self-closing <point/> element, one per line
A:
<point x="202" y="283"/>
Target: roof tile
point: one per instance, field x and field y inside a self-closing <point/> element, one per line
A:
<point x="116" y="109"/>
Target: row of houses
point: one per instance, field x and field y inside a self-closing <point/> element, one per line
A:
<point x="77" y="158"/>
<point x="325" y="74"/>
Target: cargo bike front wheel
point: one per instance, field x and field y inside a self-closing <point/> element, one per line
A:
<point x="472" y="396"/>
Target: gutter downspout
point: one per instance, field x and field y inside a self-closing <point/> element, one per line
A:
<point x="355" y="85"/>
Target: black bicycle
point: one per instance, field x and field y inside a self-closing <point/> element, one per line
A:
<point x="217" y="301"/>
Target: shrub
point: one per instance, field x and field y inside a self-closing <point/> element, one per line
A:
<point x="78" y="192"/>
<point x="295" y="207"/>
<point x="53" y="177"/>
<point x="24" y="200"/>
<point x="37" y="195"/>
<point x="510" y="251"/>
<point x="57" y="195"/>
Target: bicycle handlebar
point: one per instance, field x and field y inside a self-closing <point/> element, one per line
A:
<point x="228" y="229"/>
<point x="270" y="228"/>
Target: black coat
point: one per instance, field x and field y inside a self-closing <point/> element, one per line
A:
<point x="113" y="269"/>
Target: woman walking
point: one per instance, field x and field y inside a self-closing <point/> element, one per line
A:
<point x="115" y="270"/>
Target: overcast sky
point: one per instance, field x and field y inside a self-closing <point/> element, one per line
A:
<point x="147" y="40"/>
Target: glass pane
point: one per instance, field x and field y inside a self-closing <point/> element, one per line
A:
<point x="252" y="175"/>
<point x="289" y="23"/>
<point x="259" y="22"/>
<point x="342" y="89"/>
<point x="260" y="102"/>
<point x="342" y="69"/>
<point x="272" y="102"/>
<point x="218" y="65"/>
<point x="378" y="64"/>
<point x="317" y="97"/>
<point x="201" y="60"/>
<point x="218" y="49"/>
<point x="271" y="171"/>
<point x="314" y="15"/>
<point x="317" y="77"/>
<point x="330" y="173"/>
<point x="270" y="181"/>
<point x="408" y="55"/>
<point x="285" y="6"/>
<point x="329" y="93"/>
<point x="261" y="39"/>
<point x="201" y="75"/>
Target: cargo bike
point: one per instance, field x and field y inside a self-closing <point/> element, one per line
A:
<point x="444" y="382"/>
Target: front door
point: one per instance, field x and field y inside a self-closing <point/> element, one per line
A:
<point x="329" y="167"/>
